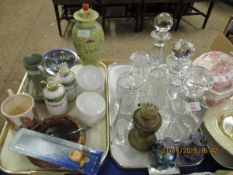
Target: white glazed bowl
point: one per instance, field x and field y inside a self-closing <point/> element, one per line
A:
<point x="91" y="79"/>
<point x="91" y="107"/>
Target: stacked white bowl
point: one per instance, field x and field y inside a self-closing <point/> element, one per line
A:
<point x="91" y="107"/>
<point x="91" y="79"/>
<point x="90" y="104"/>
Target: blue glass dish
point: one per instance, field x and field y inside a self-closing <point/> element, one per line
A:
<point x="70" y="155"/>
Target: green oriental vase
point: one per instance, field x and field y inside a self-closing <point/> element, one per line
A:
<point x="88" y="36"/>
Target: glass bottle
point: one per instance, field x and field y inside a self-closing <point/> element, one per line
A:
<point x="187" y="103"/>
<point x="130" y="84"/>
<point x="67" y="79"/>
<point x="128" y="88"/>
<point x="162" y="23"/>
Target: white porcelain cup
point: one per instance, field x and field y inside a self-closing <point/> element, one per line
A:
<point x="19" y="110"/>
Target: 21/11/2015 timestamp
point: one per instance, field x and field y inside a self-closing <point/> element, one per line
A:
<point x="189" y="150"/>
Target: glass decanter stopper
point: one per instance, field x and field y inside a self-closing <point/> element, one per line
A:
<point x="162" y="23"/>
<point x="179" y="61"/>
<point x="130" y="83"/>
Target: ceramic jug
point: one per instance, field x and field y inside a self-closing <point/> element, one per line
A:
<point x="54" y="96"/>
<point x="35" y="74"/>
<point x="87" y="36"/>
<point x="67" y="79"/>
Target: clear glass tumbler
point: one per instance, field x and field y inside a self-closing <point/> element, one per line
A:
<point x="154" y="89"/>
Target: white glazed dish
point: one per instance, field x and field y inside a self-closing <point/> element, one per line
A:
<point x="91" y="107"/>
<point x="90" y="78"/>
<point x="221" y="155"/>
<point x="213" y="120"/>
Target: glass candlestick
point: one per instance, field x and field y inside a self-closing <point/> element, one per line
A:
<point x="162" y="23"/>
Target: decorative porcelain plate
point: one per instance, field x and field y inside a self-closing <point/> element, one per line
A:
<point x="220" y="68"/>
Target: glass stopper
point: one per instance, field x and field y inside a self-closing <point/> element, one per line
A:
<point x="163" y="22"/>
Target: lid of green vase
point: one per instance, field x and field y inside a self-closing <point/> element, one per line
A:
<point x="86" y="14"/>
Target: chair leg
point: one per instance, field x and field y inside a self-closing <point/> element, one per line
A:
<point x="212" y="2"/>
<point x="137" y="25"/>
<point x="179" y="13"/>
<point x="58" y="18"/>
<point x="126" y="9"/>
<point x="103" y="12"/>
<point x="66" y="12"/>
<point x="143" y="9"/>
